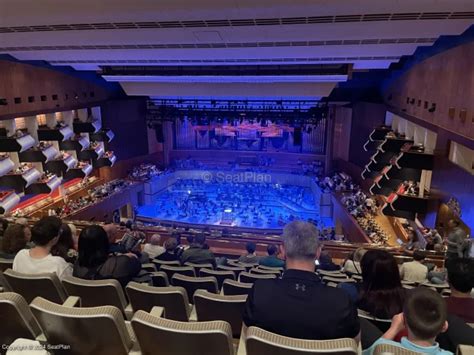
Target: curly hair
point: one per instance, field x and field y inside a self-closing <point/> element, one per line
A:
<point x="14" y="238"/>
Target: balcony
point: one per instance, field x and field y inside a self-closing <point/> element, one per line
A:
<point x="108" y="159"/>
<point x="6" y="164"/>
<point x="104" y="135"/>
<point x="17" y="143"/>
<point x="78" y="143"/>
<point x="61" y="165"/>
<point x="20" y="178"/>
<point x="94" y="152"/>
<point x="8" y="200"/>
<point x="45" y="185"/>
<point x="81" y="170"/>
<point x="42" y="153"/>
<point x="87" y="127"/>
<point x="58" y="134"/>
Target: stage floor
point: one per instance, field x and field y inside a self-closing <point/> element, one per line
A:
<point x="252" y="205"/>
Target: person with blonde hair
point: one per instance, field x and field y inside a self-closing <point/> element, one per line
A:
<point x="153" y="248"/>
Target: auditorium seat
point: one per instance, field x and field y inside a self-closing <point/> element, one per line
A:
<point x="257" y="271"/>
<point x="261" y="342"/>
<point x="383" y="349"/>
<point x="210" y="307"/>
<point x="436" y="287"/>
<point x="159" y="263"/>
<point x="162" y="336"/>
<point x="357" y="277"/>
<point x="16" y="319"/>
<point x="247" y="277"/>
<point x="191" y="284"/>
<point x="5" y="264"/>
<point x="465" y="350"/>
<point x="170" y="270"/>
<point x="174" y="300"/>
<point x="198" y="267"/>
<point x="337" y="280"/>
<point x="231" y="287"/>
<point x="271" y="268"/>
<point x="382" y="324"/>
<point x="159" y="279"/>
<point x="339" y="274"/>
<point x="30" y="286"/>
<point x="95" y="293"/>
<point x="220" y="275"/>
<point x="235" y="269"/>
<point x="149" y="267"/>
<point x="246" y="266"/>
<point x="96" y="330"/>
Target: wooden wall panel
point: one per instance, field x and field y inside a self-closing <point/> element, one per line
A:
<point x="19" y="80"/>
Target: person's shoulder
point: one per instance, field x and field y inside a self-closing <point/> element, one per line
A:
<point x="23" y="253"/>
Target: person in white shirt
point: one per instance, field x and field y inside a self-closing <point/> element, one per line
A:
<point x="352" y="265"/>
<point x="414" y="271"/>
<point x="154" y="249"/>
<point x="44" y="234"/>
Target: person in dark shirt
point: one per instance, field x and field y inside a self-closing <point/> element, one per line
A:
<point x="272" y="260"/>
<point x="95" y="263"/>
<point x="299" y="305"/>
<point x="15" y="238"/>
<point x="461" y="281"/>
<point x="197" y="253"/>
<point x="325" y="262"/>
<point x="170" y="250"/>
<point x="250" y="257"/>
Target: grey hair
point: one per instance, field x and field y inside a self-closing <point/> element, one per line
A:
<point x="300" y="240"/>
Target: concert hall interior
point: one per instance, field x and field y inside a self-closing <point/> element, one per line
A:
<point x="163" y="164"/>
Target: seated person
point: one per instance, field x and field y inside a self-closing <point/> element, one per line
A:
<point x="424" y="317"/>
<point x="15" y="238"/>
<point x="112" y="236"/>
<point x="95" y="263"/>
<point x="414" y="271"/>
<point x="272" y="260"/>
<point x="461" y="281"/>
<point x="298" y="305"/>
<point x="197" y="253"/>
<point x="250" y="257"/>
<point x="44" y="234"/>
<point x="325" y="262"/>
<point x="170" y="250"/>
<point x="352" y="264"/>
<point x="65" y="245"/>
<point x="153" y="249"/>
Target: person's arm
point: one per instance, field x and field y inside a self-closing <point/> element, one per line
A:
<point x="398" y="324"/>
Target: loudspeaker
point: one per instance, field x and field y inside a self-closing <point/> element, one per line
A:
<point x="297" y="137"/>
<point x="159" y="133"/>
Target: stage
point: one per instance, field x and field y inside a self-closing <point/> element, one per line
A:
<point x="242" y="199"/>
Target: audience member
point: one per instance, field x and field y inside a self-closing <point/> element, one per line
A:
<point x="272" y="260"/>
<point x="298" y="304"/>
<point x="15" y="238"/>
<point x="153" y="249"/>
<point x="424" y="317"/>
<point x="413" y="240"/>
<point x="461" y="281"/>
<point x="352" y="264"/>
<point x="170" y="250"/>
<point x="44" y="235"/>
<point x="414" y="271"/>
<point x="455" y="240"/>
<point x="325" y="262"/>
<point x="197" y="253"/>
<point x="94" y="262"/>
<point x="250" y="257"/>
<point x="112" y="236"/>
<point x="381" y="292"/>
<point x="65" y="245"/>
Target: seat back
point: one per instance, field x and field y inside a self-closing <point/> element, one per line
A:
<point x="96" y="330"/>
<point x="173" y="299"/>
<point x="159" y="263"/>
<point x="159" y="279"/>
<point x="220" y="275"/>
<point x="337" y="280"/>
<point x="246" y="266"/>
<point x="38" y="285"/>
<point x="465" y="350"/>
<point x="162" y="336"/>
<point x="232" y="287"/>
<point x="198" y="267"/>
<point x="251" y="278"/>
<point x="170" y="270"/>
<point x="5" y="264"/>
<point x="258" y="271"/>
<point x="235" y="269"/>
<point x="271" y="268"/>
<point x="191" y="284"/>
<point x="16" y="319"/>
<point x="95" y="293"/>
<point x="261" y="342"/>
<point x="383" y="349"/>
<point x="210" y="307"/>
<point x="334" y="274"/>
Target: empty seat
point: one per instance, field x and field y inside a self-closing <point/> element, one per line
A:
<point x="271" y="268"/>
<point x="94" y="293"/>
<point x="38" y="285"/>
<point x="16" y="319"/>
<point x="210" y="307"/>
<point x="236" y="270"/>
<point x="96" y="330"/>
<point x="170" y="270"/>
<point x="162" y="336"/>
<point x="191" y="284"/>
<point x="5" y="264"/>
<point x="231" y="287"/>
<point x="174" y="300"/>
<point x="150" y="267"/>
<point x="257" y="271"/>
<point x="339" y="274"/>
<point x="198" y="267"/>
<point x="159" y="279"/>
<point x="337" y="280"/>
<point x="220" y="275"/>
<point x="251" y="278"/>
<point x="384" y="349"/>
<point x="159" y="263"/>
<point x="261" y="342"/>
